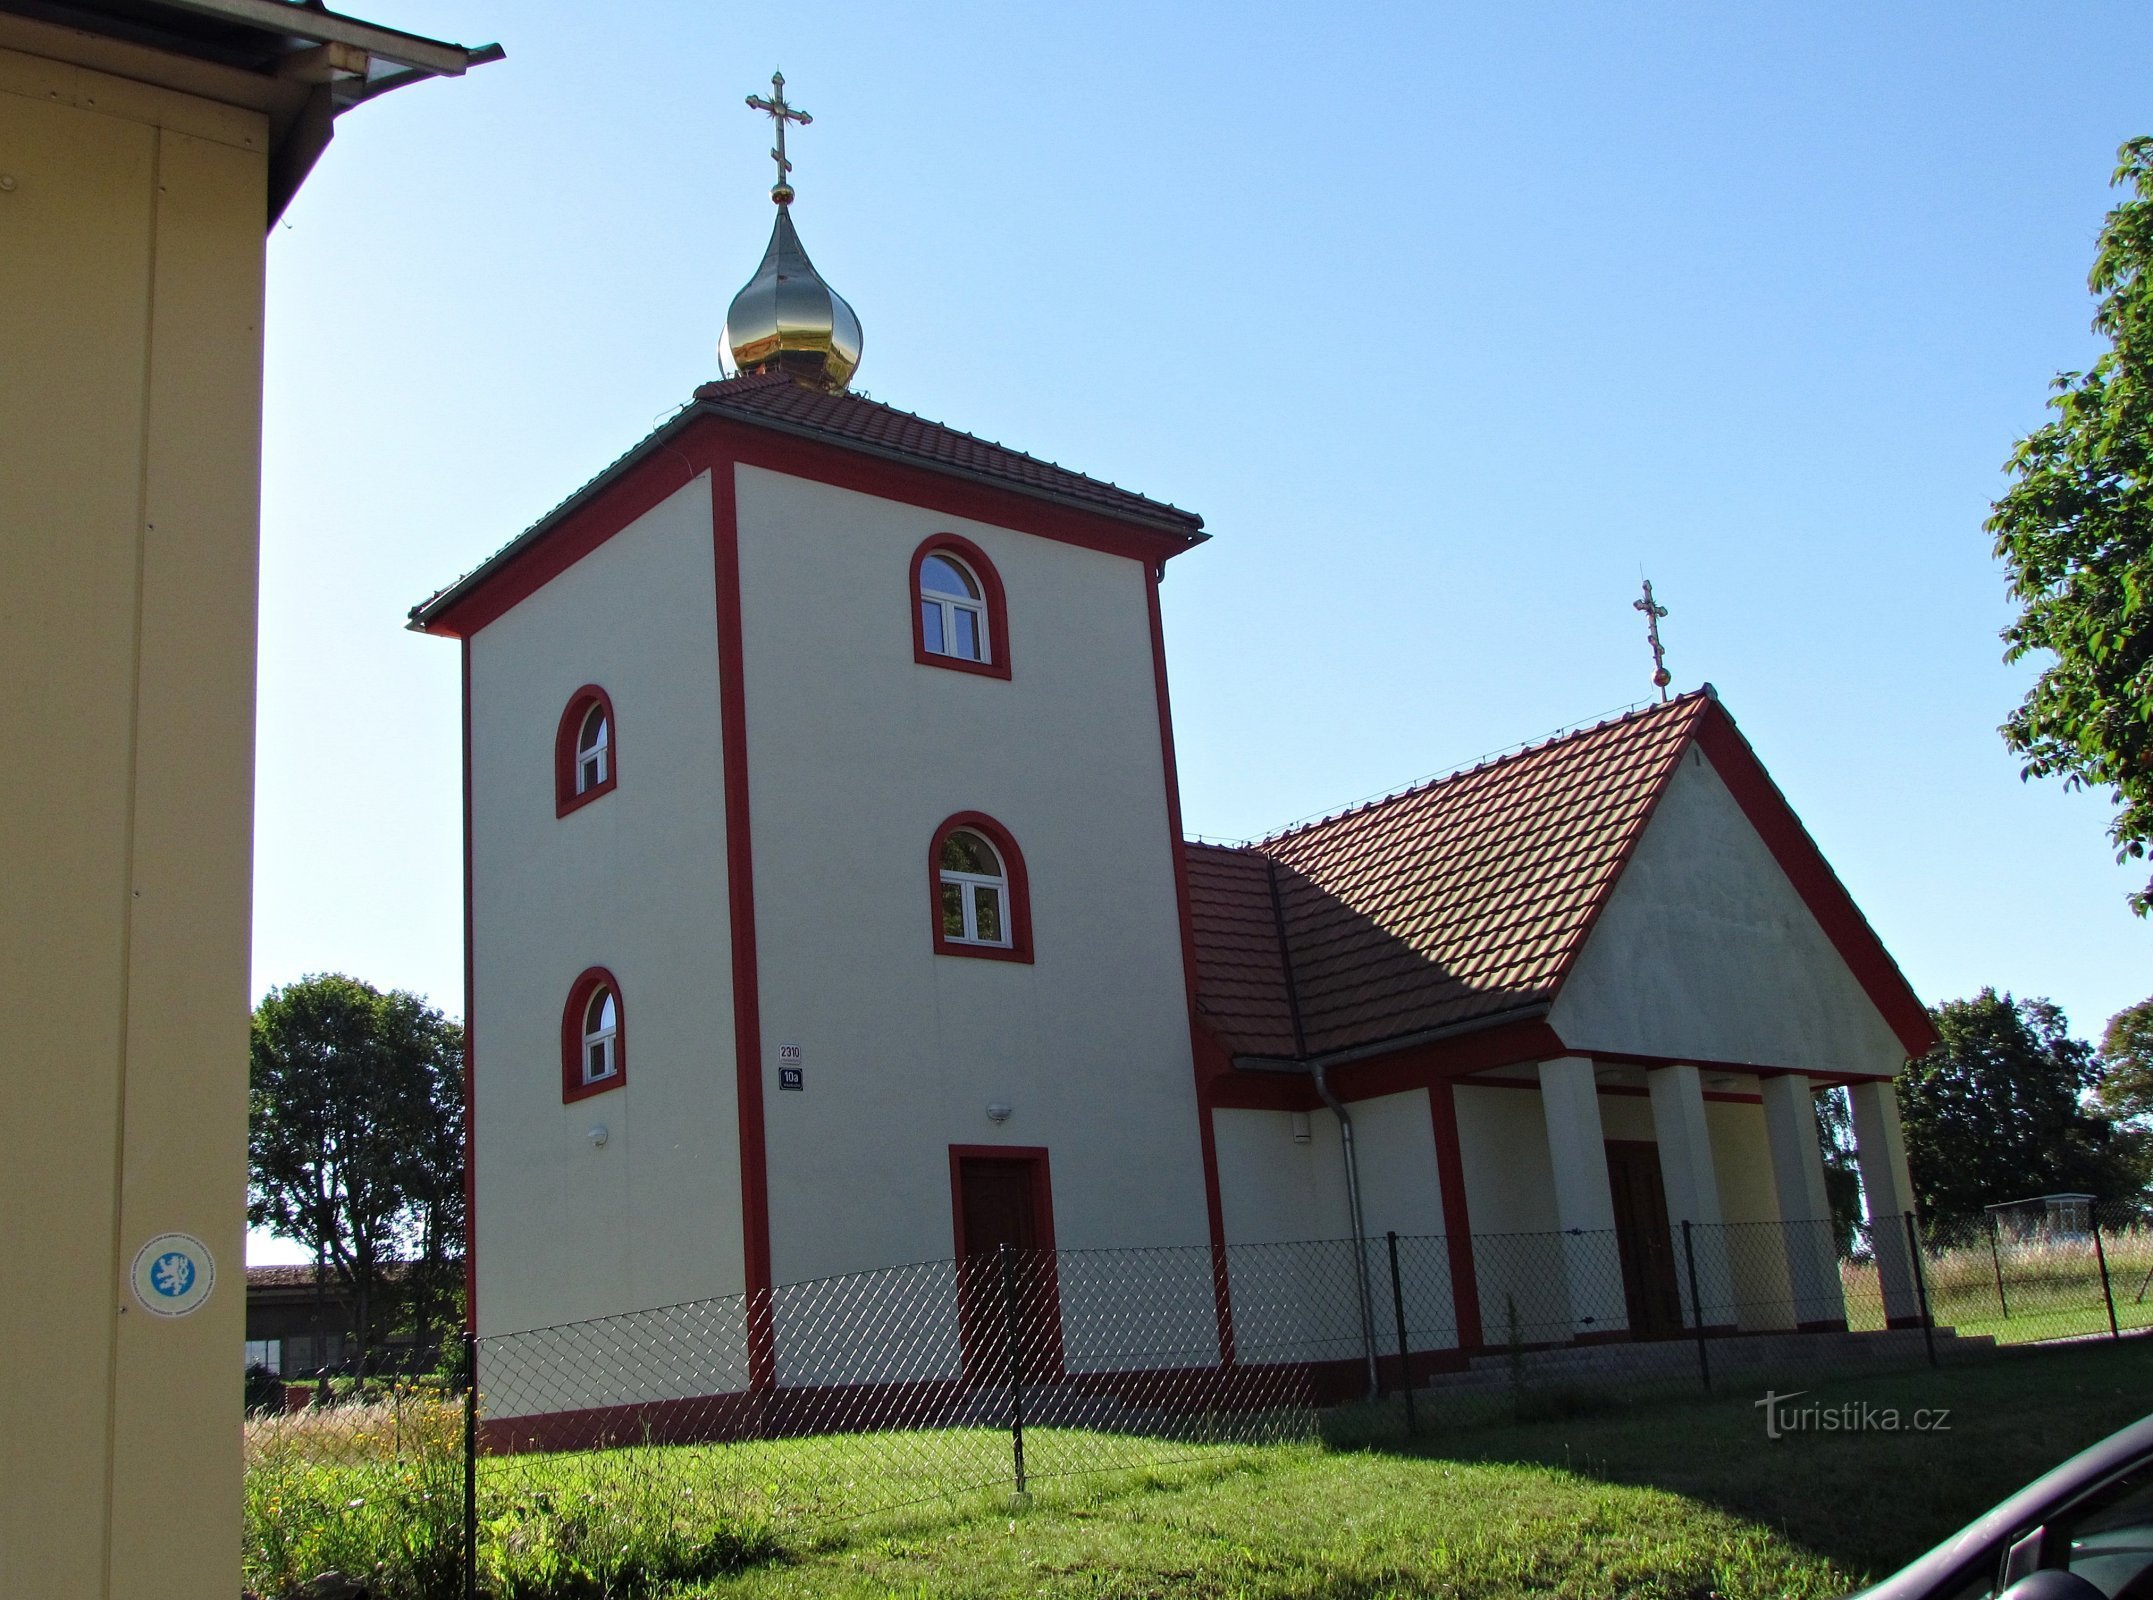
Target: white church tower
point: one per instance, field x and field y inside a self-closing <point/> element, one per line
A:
<point x="824" y="904"/>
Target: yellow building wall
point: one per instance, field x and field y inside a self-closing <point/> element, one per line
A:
<point x="130" y="419"/>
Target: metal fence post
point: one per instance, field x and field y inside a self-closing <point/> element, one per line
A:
<point x="1016" y="1364"/>
<point x="2108" y="1297"/>
<point x="470" y="1465"/>
<point x="1996" y="1259"/>
<point x="1405" y="1357"/>
<point x="1921" y="1287"/>
<point x="1704" y="1354"/>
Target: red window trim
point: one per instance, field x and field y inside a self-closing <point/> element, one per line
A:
<point x="587" y="983"/>
<point x="565" y="798"/>
<point x="1019" y="909"/>
<point x="997" y="605"/>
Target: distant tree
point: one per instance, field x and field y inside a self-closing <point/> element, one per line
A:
<point x="2000" y="1110"/>
<point x="1842" y="1168"/>
<point x="2075" y="532"/>
<point x="355" y="1141"/>
<point x="2126" y="1087"/>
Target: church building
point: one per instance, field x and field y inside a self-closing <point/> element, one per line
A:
<point x="829" y="909"/>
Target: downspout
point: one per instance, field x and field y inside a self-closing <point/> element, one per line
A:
<point x="1353" y="1207"/>
<point x="1345" y="1131"/>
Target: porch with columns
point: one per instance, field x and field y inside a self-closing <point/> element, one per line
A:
<point x="1750" y="1274"/>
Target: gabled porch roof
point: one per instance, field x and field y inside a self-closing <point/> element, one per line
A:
<point x="1462" y="905"/>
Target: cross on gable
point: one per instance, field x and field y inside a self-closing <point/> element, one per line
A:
<point x="780" y="113"/>
<point x="1653" y="611"/>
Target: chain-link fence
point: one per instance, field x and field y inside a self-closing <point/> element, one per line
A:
<point x="2051" y="1267"/>
<point x="609" y="1455"/>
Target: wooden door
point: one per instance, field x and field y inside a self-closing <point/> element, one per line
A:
<point x="1002" y="1201"/>
<point x="1646" y="1244"/>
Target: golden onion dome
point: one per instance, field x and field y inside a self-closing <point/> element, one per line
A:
<point x="787" y="319"/>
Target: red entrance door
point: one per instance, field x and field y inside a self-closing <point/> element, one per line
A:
<point x="1004" y="1203"/>
<point x="1643" y="1239"/>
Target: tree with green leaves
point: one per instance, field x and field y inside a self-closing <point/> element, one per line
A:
<point x="2126" y="1087"/>
<point x="2000" y="1110"/>
<point x="355" y="1143"/>
<point x="2075" y="532"/>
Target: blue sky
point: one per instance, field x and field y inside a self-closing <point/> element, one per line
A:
<point x="1451" y="321"/>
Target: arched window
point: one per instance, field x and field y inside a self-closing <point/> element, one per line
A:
<point x="594" y="752"/>
<point x="959" y="619"/>
<point x="586" y="756"/>
<point x="594" y="1037"/>
<point x="981" y="899"/>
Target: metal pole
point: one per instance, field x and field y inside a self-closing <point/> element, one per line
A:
<point x="1996" y="1258"/>
<point x="1016" y="1364"/>
<point x="1704" y="1353"/>
<point x="470" y="1466"/>
<point x="1405" y="1358"/>
<point x="2108" y="1297"/>
<point x="1921" y="1287"/>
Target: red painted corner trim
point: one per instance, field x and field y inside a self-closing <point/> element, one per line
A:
<point x="997" y="607"/>
<point x="1457" y="1218"/>
<point x="1019" y="947"/>
<point x="565" y="796"/>
<point x="1035" y="1156"/>
<point x="470" y="1030"/>
<point x="1813" y="879"/>
<point x="587" y="983"/>
<point x="740" y="906"/>
<point x="1202" y="1047"/>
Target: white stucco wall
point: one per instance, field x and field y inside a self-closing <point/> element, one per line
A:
<point x="1705" y="952"/>
<point x="1288" y="1229"/>
<point x="634" y="882"/>
<point x="856" y="753"/>
<point x="1756" y="1244"/>
<point x="1510" y="1198"/>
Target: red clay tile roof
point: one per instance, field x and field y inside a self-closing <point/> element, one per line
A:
<point x="1240" y="978"/>
<point x="775" y="401"/>
<point x="1449" y="903"/>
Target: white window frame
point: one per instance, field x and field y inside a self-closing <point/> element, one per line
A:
<point x="969" y="881"/>
<point x="606" y="1040"/>
<point x="949" y="605"/>
<point x="594" y="756"/>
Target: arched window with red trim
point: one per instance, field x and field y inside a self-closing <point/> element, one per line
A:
<point x="586" y="750"/>
<point x="594" y="1037"/>
<point x="980" y="898"/>
<point x="960" y="618"/>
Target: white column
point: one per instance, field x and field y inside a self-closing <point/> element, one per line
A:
<point x="1584" y="1204"/>
<point x="1888" y="1192"/>
<point x="1692" y="1187"/>
<point x="1805" y="1207"/>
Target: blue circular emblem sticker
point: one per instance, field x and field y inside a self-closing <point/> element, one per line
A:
<point x="173" y="1274"/>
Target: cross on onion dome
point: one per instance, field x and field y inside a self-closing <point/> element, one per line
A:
<point x="1653" y="611"/>
<point x="779" y="113"/>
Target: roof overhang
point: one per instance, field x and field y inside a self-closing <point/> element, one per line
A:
<point x="298" y="65"/>
<point x="695" y="425"/>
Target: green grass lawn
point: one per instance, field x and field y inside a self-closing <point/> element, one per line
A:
<point x="1684" y="1498"/>
<point x="1686" y="1501"/>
